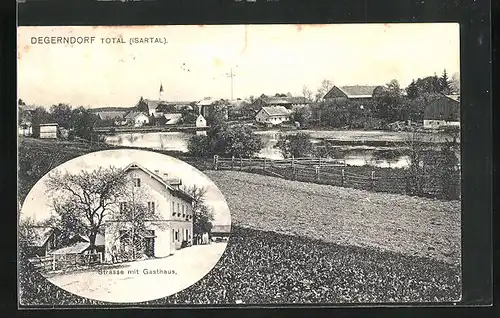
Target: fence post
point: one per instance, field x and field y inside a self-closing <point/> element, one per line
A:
<point x="317" y="173"/>
<point x="241" y="163"/>
<point x="265" y="161"/>
<point x="53" y="262"/>
<point x="232" y="162"/>
<point x="216" y="160"/>
<point x="373" y="180"/>
<point x="342" y="179"/>
<point x="293" y="161"/>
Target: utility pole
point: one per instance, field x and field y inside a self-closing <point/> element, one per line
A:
<point x="231" y="75"/>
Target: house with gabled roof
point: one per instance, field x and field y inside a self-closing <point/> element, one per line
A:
<point x="288" y="102"/>
<point x="172" y="205"/>
<point x="354" y="92"/>
<point x="136" y="119"/>
<point x="273" y="115"/>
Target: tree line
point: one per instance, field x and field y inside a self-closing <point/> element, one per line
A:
<point x="78" y="121"/>
<point x="392" y="104"/>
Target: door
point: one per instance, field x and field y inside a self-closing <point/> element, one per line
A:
<point x="149" y="246"/>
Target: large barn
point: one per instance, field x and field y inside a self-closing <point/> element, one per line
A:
<point x="442" y="112"/>
<point x="353" y="92"/>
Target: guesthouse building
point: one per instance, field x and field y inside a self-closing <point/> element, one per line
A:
<point x="164" y="234"/>
<point x="136" y="119"/>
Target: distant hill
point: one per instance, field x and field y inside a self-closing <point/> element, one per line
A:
<point x="108" y="109"/>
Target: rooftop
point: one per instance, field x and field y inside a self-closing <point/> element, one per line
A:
<point x="276" y="110"/>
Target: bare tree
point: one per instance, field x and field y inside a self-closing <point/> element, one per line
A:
<point x="134" y="216"/>
<point x="415" y="150"/>
<point x="307" y="93"/>
<point x="85" y="199"/>
<point x="326" y="86"/>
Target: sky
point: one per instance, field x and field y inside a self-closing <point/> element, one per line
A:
<point x="266" y="59"/>
<point x="37" y="205"/>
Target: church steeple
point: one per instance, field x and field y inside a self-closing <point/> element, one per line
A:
<point x="160" y="97"/>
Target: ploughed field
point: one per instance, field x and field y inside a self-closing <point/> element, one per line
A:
<point x="295" y="242"/>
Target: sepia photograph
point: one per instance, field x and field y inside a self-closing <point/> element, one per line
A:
<point x="269" y="164"/>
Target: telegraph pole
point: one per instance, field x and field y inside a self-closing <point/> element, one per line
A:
<point x="231" y="75"/>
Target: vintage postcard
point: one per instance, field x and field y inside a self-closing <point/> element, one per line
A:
<point x="239" y="165"/>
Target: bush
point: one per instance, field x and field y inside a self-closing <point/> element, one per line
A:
<point x="237" y="141"/>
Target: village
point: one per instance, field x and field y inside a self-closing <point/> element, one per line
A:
<point x="429" y="104"/>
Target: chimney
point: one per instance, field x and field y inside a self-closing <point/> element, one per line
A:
<point x="157" y="171"/>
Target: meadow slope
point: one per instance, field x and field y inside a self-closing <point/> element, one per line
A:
<point x="398" y="223"/>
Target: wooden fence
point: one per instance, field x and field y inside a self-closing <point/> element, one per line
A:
<point x="333" y="172"/>
<point x="54" y="262"/>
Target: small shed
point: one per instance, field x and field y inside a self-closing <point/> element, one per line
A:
<point x="48" y="131"/>
<point x="44" y="242"/>
<point x="442" y="112"/>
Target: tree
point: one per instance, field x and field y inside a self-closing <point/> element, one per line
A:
<point x="82" y="122"/>
<point x="297" y="145"/>
<point x="412" y="90"/>
<point x="455" y="83"/>
<point x="307" y="93"/>
<point x="61" y="114"/>
<point x="40" y="116"/>
<point x="202" y="213"/>
<point x="217" y="114"/>
<point x="394" y="88"/>
<point x="21" y="102"/>
<point x="302" y="115"/>
<point x="415" y="150"/>
<point x="189" y="115"/>
<point x="83" y="200"/>
<point x="326" y="86"/>
<point x="445" y="84"/>
<point x="137" y="218"/>
<point x="447" y="164"/>
<point x="238" y="141"/>
<point x="200" y="146"/>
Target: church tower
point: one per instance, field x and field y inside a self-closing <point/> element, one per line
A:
<point x="160" y="96"/>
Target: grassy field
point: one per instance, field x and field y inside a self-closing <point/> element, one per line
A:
<point x="398" y="223"/>
<point x="295" y="242"/>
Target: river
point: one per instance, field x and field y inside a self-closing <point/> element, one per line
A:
<point x="357" y="155"/>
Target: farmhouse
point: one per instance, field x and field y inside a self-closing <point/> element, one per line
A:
<point x="353" y="92"/>
<point x="442" y="112"/>
<point x="157" y="107"/>
<point x="117" y="117"/>
<point x="289" y="102"/>
<point x="163" y="235"/>
<point x="45" y="240"/>
<point x="273" y="115"/>
<point x="48" y="131"/>
<point x="137" y="119"/>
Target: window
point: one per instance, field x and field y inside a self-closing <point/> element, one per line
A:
<point x="183" y="210"/>
<point x="173" y="208"/>
<point x="178" y="209"/>
<point x="177" y="235"/>
<point x="137" y="182"/>
<point x="151" y="207"/>
<point x="123" y="207"/>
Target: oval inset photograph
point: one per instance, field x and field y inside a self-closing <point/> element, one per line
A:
<point x="124" y="226"/>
